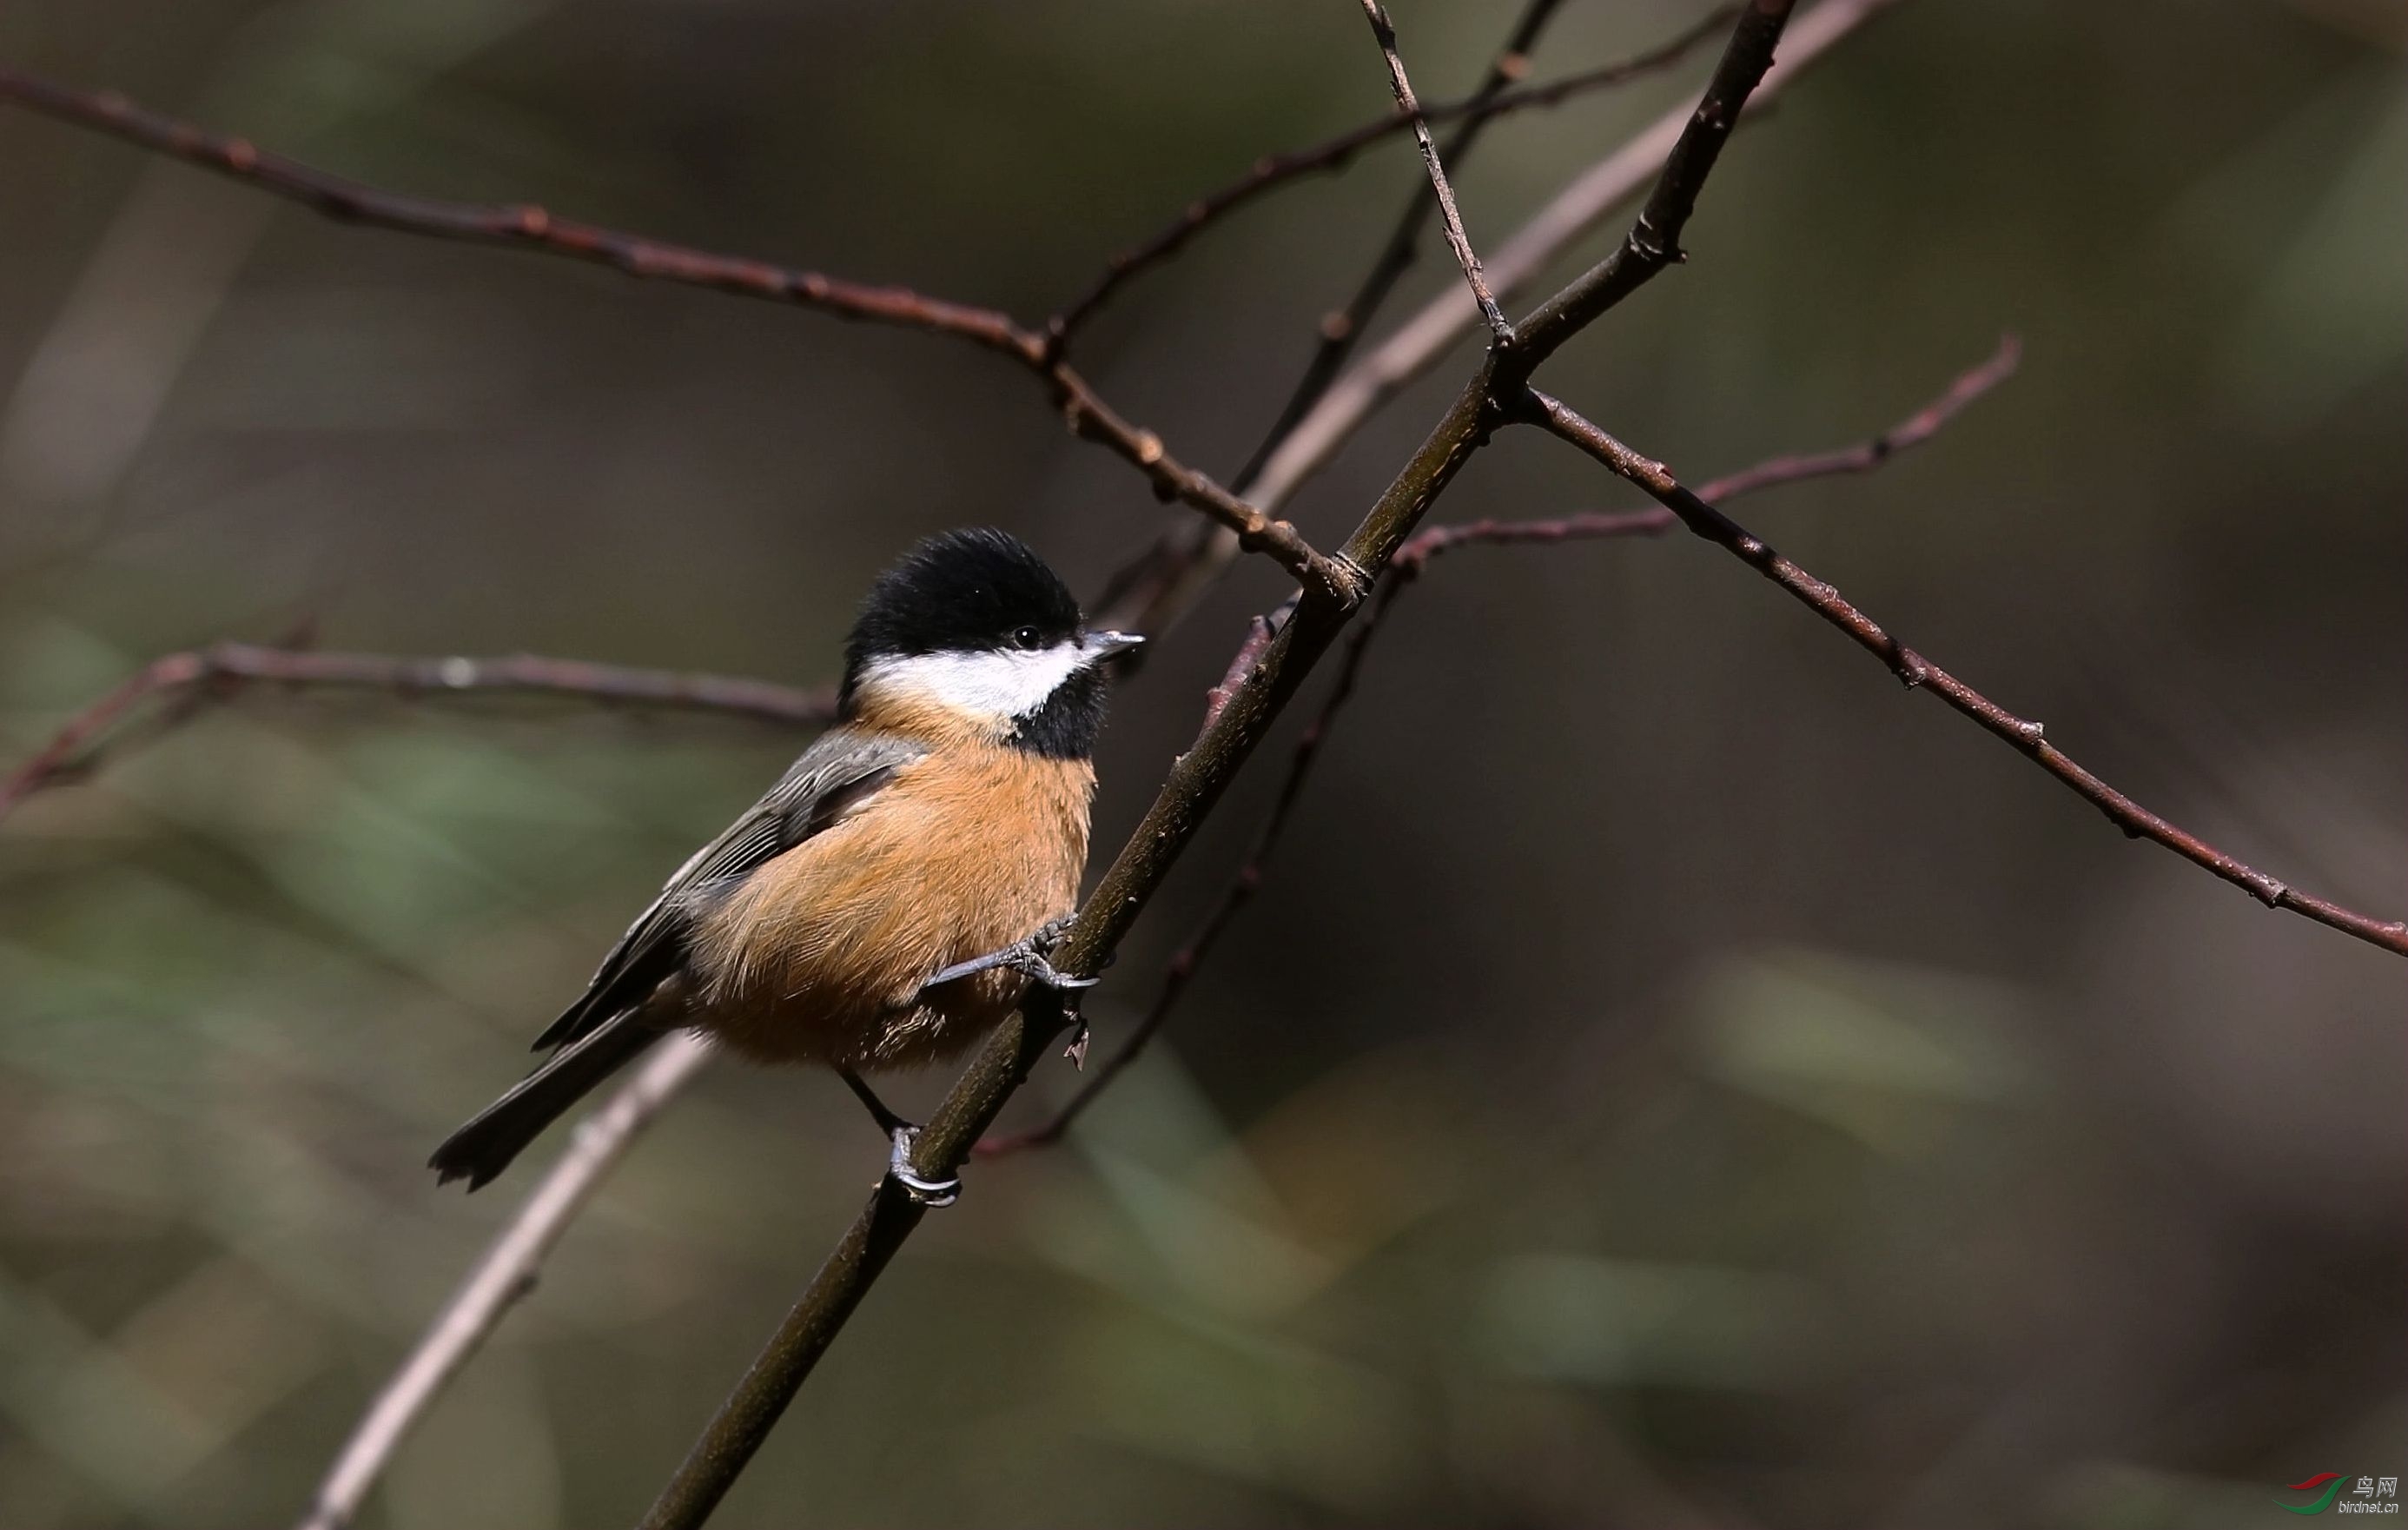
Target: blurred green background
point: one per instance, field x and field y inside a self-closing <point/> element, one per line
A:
<point x="1690" y="1082"/>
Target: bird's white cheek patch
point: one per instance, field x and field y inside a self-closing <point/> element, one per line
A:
<point x="1012" y="682"/>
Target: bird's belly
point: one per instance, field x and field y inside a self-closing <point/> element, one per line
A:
<point x="820" y="955"/>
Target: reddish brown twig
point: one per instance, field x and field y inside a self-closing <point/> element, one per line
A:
<point x="1163" y="583"/>
<point x="1490" y="101"/>
<point x="1152" y="587"/>
<point x="218" y="669"/>
<point x="1919" y="673"/>
<point x="1259" y="633"/>
<point x="523" y="224"/>
<point x="1407" y="566"/>
<point x="1863" y="458"/>
<point x="529" y="228"/>
<point x="1660" y="153"/>
<point x="1091" y="419"/>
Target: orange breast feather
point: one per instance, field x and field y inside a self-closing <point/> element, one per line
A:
<point x="820" y="956"/>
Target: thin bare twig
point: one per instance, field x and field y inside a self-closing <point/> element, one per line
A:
<point x="1422" y="339"/>
<point x="1919" y="673"/>
<point x="1866" y="455"/>
<point x="1493" y="99"/>
<point x="1187" y="561"/>
<point x="524" y="224"/>
<point x="221" y="667"/>
<point x="1383" y="32"/>
<point x="1863" y="458"/>
<point x="505" y="1272"/>
<point x="1150" y="590"/>
<point x="1340" y="329"/>
<point x="527" y="226"/>
<point x="1252" y="529"/>
<point x="1407" y="566"/>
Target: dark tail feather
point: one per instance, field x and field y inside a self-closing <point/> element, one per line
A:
<point x="484" y="1146"/>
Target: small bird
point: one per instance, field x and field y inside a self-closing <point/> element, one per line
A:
<point x="889" y="901"/>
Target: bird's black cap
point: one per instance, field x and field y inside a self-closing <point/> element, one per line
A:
<point x="966" y="591"/>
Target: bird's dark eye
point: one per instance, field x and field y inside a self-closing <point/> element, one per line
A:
<point x="1028" y="637"/>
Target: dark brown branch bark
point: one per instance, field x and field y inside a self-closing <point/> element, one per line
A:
<point x="1654" y="241"/>
<point x="530" y="227"/>
<point x="1343" y="328"/>
<point x="1148" y="591"/>
<point x="1383" y="32"/>
<point x="1240" y="891"/>
<point x="1417" y="344"/>
<point x="1254" y="530"/>
<point x="1194" y="786"/>
<point x="1919" y="673"/>
<point x="222" y="667"/>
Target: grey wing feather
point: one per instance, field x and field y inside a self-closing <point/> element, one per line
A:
<point x="839" y="770"/>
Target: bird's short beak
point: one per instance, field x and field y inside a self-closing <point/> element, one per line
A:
<point x="1100" y="646"/>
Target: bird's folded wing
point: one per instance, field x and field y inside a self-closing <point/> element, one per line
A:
<point x="842" y="770"/>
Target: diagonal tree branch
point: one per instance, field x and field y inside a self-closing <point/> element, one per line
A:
<point x="1407" y="567"/>
<point x="1152" y="590"/>
<point x="1418" y="344"/>
<point x="1773" y="472"/>
<point x="1383" y="32"/>
<point x="1654" y="241"/>
<point x="1188" y="795"/>
<point x="1919" y="673"/>
<point x="1188" y="958"/>
<point x="525" y="225"/>
<point x="505" y="1275"/>
<point x="1332" y="588"/>
<point x="530" y="227"/>
<point x="1194" y="786"/>
<point x="204" y="673"/>
<point x="1164" y="585"/>
<point x="1867" y="455"/>
<point x="1340" y="330"/>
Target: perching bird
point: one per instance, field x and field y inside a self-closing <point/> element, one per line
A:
<point x="889" y="901"/>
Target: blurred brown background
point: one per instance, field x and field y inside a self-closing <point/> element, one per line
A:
<point x="1672" y="1076"/>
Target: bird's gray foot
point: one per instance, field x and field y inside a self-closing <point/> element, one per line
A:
<point x="903" y="1134"/>
<point x="1025" y="956"/>
<point x="928" y="1192"/>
